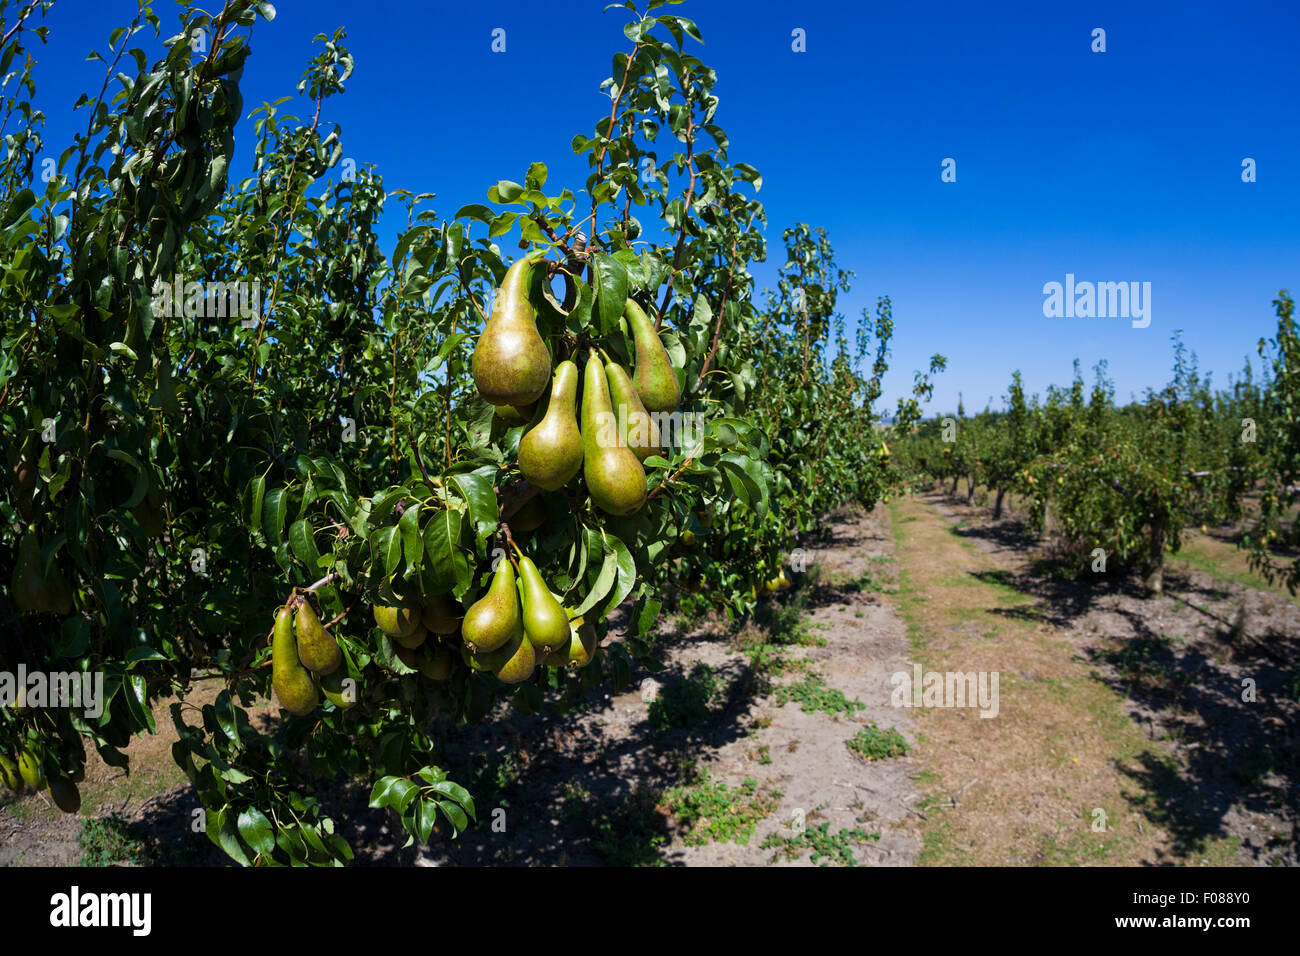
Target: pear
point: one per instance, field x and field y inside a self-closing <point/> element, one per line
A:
<point x="641" y="432"/>
<point x="397" y="621"/>
<point x="339" y="689"/>
<point x="150" y="515"/>
<point x="550" y="453"/>
<point x="520" y="660"/>
<point x="317" y="649"/>
<point x="530" y="517"/>
<point x="65" y="794"/>
<point x="292" y="682"/>
<point x="545" y="623"/>
<point x="28" y="583"/>
<point x="654" y="378"/>
<point x="434" y="662"/>
<point x="511" y="364"/>
<point x="513" y="416"/>
<point x="414" y="639"/>
<point x="9" y="774"/>
<point x="615" y="478"/>
<point x="30" y="769"/>
<point x="441" y="615"/>
<point x="578" y="650"/>
<point x="495" y="617"/>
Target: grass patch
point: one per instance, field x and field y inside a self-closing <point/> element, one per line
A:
<point x="712" y="812"/>
<point x="872" y="743"/>
<point x="827" y="848"/>
<point x="105" y="841"/>
<point x="813" y="694"/>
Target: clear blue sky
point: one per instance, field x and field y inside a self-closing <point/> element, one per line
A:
<point x="1115" y="166"/>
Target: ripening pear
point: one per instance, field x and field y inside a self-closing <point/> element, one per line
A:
<point x="339" y="689"/>
<point x="511" y="364"/>
<point x="30" y="768"/>
<point x="317" y="649"/>
<point x="65" y="794"/>
<point x="513" y="416"/>
<point x="496" y="617"/>
<point x="414" y="639"/>
<point x="641" y="432"/>
<point x="292" y="682"/>
<point x="577" y="651"/>
<point x="28" y="583"/>
<point x="615" y="478"/>
<point x="530" y="517"/>
<point x="398" y="621"/>
<point x="9" y="774"/>
<point x="545" y="623"/>
<point x="434" y="662"/>
<point x="441" y="614"/>
<point x="520" y="660"/>
<point x="654" y="378"/>
<point x="550" y="453"/>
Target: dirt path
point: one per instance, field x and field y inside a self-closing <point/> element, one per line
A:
<point x="703" y="764"/>
<point x="1121" y="736"/>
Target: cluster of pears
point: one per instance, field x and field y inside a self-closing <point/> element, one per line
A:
<point x="410" y="625"/>
<point x="512" y="367"/>
<point x="519" y="624"/>
<point x="306" y="661"/>
<point x="32" y="587"/>
<point x="29" y="771"/>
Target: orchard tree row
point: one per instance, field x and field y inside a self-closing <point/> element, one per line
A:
<point x="248" y="445"/>
<point x="1121" y="483"/>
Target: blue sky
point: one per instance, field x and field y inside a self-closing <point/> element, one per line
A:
<point x="1115" y="166"/>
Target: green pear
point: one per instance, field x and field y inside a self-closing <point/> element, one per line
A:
<point x="530" y="517"/>
<point x="654" y="378"/>
<point x="520" y="660"/>
<point x="511" y="364"/>
<point x="65" y="794"/>
<point x="414" y="639"/>
<point x="317" y="649"/>
<point x="495" y="617"/>
<point x="578" y="650"/>
<point x="434" y="662"/>
<point x="550" y="453"/>
<point x="292" y="682"/>
<point x="339" y="689"/>
<point x="441" y="615"/>
<point x="545" y="623"/>
<point x="9" y="774"/>
<point x="637" y="429"/>
<point x="28" y="583"/>
<point x="30" y="768"/>
<point x="398" y="621"/>
<point x="615" y="478"/>
<point x="513" y="416"/>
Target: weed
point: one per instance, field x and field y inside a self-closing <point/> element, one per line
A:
<point x="105" y="841"/>
<point x="825" y="846"/>
<point x="712" y="812"/>
<point x="813" y="695"/>
<point x="872" y="743"/>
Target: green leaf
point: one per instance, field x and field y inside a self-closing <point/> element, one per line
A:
<point x="255" y="828"/>
<point x="394" y="792"/>
<point x="611" y="292"/>
<point x="409" y="527"/>
<point x="303" y="544"/>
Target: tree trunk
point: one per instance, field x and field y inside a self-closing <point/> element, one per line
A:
<point x="997" y="505"/>
<point x="1154" y="580"/>
<point x="955" y="479"/>
<point x="970" y="488"/>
